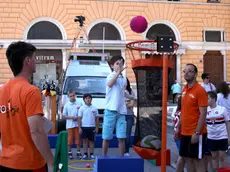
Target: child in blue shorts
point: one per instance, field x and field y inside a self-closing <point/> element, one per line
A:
<point x="115" y="107"/>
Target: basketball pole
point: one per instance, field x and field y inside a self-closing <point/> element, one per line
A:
<point x="164" y="112"/>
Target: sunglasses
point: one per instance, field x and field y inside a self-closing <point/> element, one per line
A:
<point x="188" y="71"/>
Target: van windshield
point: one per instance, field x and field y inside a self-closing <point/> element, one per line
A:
<point x="81" y="85"/>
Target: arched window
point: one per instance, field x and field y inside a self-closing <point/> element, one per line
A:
<point x="49" y="61"/>
<point x="44" y="30"/>
<point x="111" y="32"/>
<point x="159" y="29"/>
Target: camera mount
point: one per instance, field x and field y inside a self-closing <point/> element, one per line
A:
<point x="80" y="19"/>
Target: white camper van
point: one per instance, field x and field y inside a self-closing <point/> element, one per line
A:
<point x="86" y="73"/>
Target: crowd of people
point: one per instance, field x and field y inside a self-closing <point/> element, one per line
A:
<point x="25" y="145"/>
<point x="202" y="123"/>
<point x="202" y="128"/>
<point x="83" y="122"/>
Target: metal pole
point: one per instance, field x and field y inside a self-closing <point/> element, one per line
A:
<point x="103" y="49"/>
<point x="53" y="113"/>
<point x="164" y="112"/>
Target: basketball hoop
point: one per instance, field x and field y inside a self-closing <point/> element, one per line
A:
<point x="151" y="74"/>
<point x="147" y="47"/>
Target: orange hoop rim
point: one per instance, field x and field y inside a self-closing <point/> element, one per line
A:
<point x="131" y="46"/>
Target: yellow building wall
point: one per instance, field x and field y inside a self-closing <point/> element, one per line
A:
<point x="204" y="1"/>
<point x="194" y="57"/>
<point x="228" y="65"/>
<point x="5" y="72"/>
<point x="225" y="1"/>
<point x="189" y="18"/>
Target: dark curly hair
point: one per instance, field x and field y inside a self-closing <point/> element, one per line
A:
<point x="87" y="95"/>
<point x="16" y="54"/>
<point x="114" y="59"/>
<point x="213" y="95"/>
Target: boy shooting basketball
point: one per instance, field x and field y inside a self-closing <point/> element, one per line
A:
<point x="115" y="107"/>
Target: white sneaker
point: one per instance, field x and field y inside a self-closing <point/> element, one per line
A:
<point x="126" y="154"/>
<point x="92" y="157"/>
<point x="85" y="157"/>
<point x="70" y="154"/>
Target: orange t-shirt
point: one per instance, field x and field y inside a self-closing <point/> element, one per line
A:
<point x="192" y="99"/>
<point x="18" y="101"/>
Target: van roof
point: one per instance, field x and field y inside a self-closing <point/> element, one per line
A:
<point x="88" y="68"/>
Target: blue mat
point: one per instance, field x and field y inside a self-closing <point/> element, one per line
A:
<point x="98" y="141"/>
<point x="119" y="164"/>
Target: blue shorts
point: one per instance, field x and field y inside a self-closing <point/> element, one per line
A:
<point x="177" y="141"/>
<point x="111" y="120"/>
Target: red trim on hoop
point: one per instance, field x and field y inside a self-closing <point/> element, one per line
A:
<point x="151" y="62"/>
<point x="131" y="45"/>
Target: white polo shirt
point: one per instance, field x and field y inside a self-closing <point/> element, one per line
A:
<point x="224" y="102"/>
<point x="208" y="87"/>
<point x="88" y="114"/>
<point x="115" y="96"/>
<point x="215" y="120"/>
<point x="71" y="109"/>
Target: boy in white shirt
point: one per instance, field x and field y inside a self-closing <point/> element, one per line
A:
<point x="218" y="127"/>
<point x="70" y="113"/>
<point x="115" y="106"/>
<point x="88" y="125"/>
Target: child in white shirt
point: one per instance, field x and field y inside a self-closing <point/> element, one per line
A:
<point x="115" y="106"/>
<point x="88" y="125"/>
<point x="70" y="113"/>
<point x="218" y="127"/>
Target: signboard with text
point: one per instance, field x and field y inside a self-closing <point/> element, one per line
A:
<point x="48" y="56"/>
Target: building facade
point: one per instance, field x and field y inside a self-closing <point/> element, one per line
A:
<point x="201" y="28"/>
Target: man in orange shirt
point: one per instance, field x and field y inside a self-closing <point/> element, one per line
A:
<point x="193" y="116"/>
<point x="24" y="139"/>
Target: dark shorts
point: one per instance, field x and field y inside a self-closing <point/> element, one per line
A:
<point x="5" y="169"/>
<point x="88" y="133"/>
<point x="197" y="150"/>
<point x="206" y="148"/>
<point x="218" y="145"/>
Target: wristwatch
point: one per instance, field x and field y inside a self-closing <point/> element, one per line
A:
<point x="197" y="133"/>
